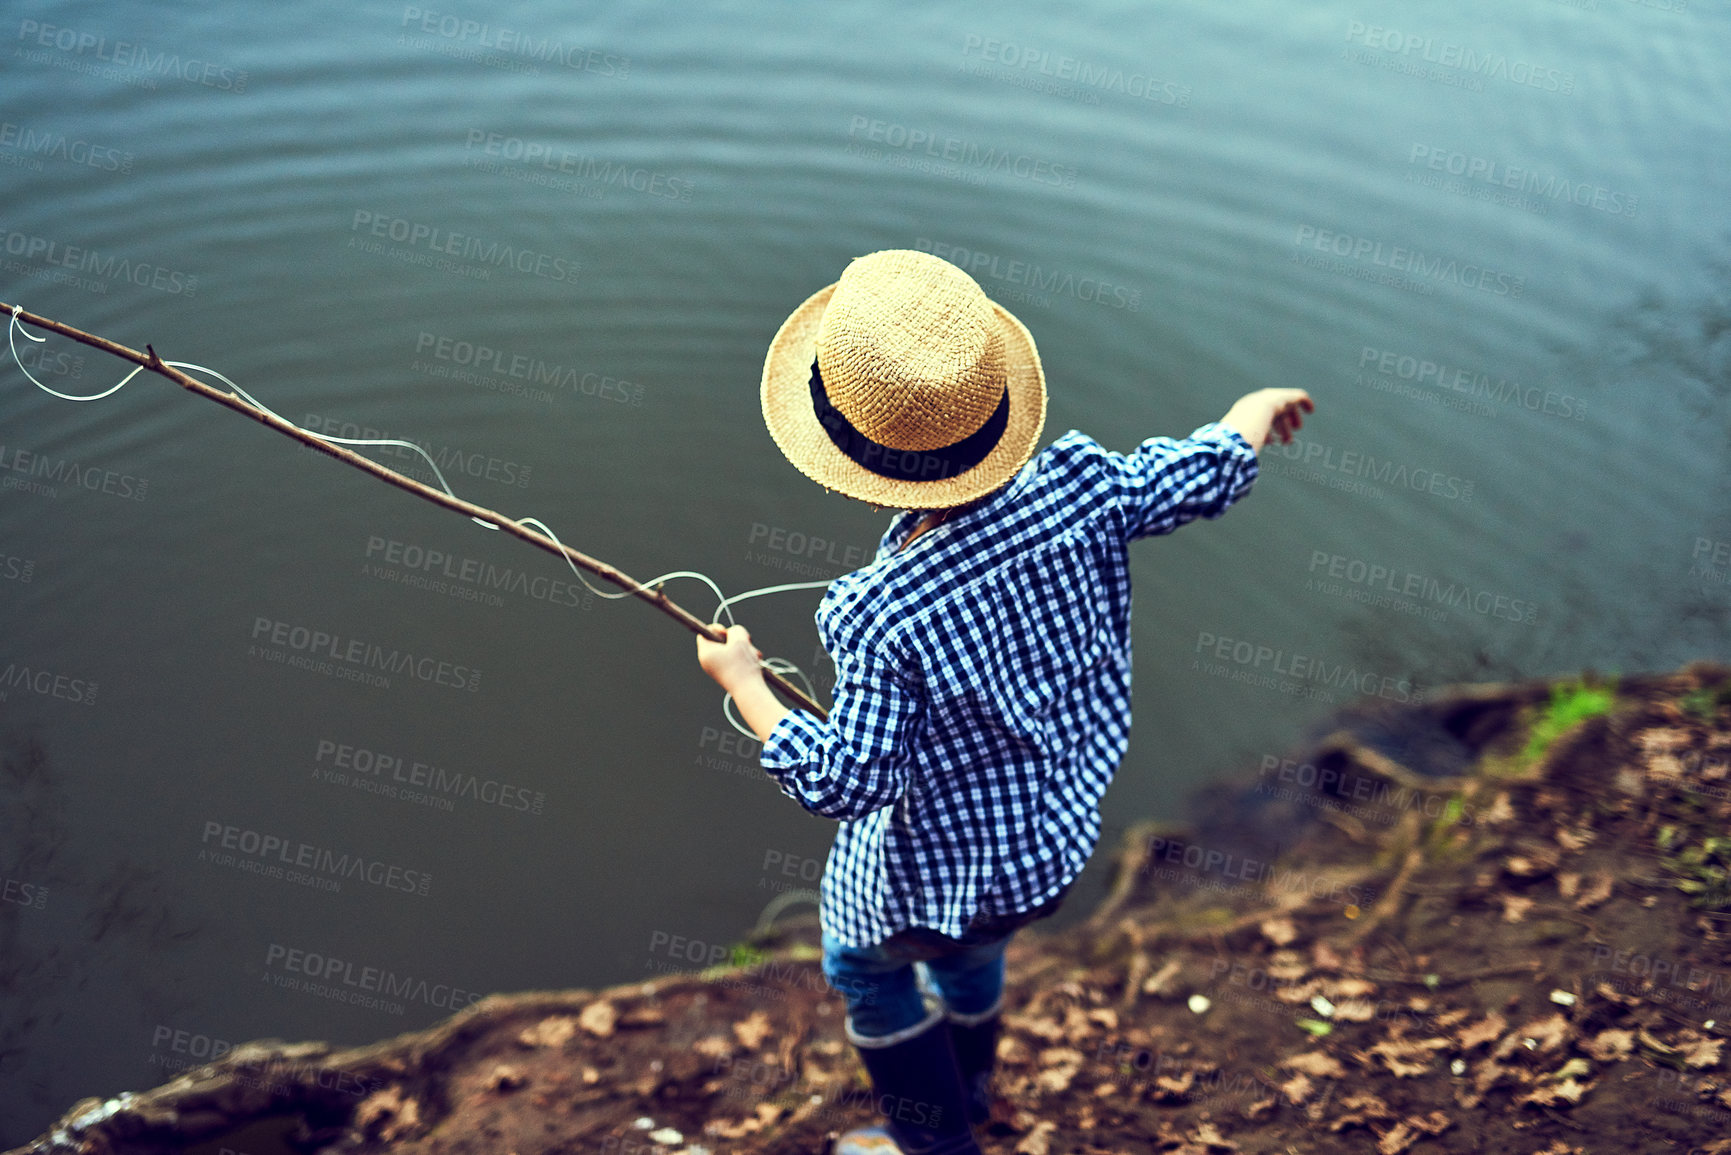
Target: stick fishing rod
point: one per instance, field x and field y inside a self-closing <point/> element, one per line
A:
<point x="149" y="360"/>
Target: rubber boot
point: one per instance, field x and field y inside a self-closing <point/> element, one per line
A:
<point x="918" y="1089"/>
<point x="974" y="1038"/>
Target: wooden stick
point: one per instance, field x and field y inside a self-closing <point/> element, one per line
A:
<point x="149" y="360"/>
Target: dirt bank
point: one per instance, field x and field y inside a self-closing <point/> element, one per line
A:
<point x="1494" y="922"/>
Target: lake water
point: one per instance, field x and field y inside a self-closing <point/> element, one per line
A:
<point x="553" y="245"/>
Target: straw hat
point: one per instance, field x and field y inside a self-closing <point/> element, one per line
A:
<point x="903" y="385"/>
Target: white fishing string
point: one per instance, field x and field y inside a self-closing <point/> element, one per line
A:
<point x="724" y="604"/>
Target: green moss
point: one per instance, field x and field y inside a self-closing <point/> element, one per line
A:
<point x="1571" y="704"/>
<point x="1704" y="703"/>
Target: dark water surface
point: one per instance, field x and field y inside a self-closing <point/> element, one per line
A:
<point x="1489" y="238"/>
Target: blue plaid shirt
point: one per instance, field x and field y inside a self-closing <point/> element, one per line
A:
<point x="982" y="695"/>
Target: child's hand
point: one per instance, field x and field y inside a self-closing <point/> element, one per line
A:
<point x="733" y="663"/>
<point x="1278" y="411"/>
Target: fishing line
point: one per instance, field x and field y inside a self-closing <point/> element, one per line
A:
<point x="724" y="604"/>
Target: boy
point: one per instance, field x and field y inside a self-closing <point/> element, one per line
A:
<point x="982" y="695"/>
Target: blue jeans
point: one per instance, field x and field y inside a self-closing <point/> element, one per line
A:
<point x="883" y="992"/>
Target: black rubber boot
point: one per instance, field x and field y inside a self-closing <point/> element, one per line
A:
<point x="919" y="1091"/>
<point x="976" y="1048"/>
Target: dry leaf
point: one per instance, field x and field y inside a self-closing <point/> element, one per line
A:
<point x="1299" y="993"/>
<point x="1297" y="1089"/>
<point x="1449" y="1018"/>
<point x="1568" y="883"/>
<point x="713" y="1046"/>
<point x="1548" y="1032"/>
<point x="1573" y="839"/>
<point x="1408" y="1057"/>
<point x="753" y="1030"/>
<point x="1061" y="1065"/>
<point x="1324" y="957"/>
<point x="1318" y="1063"/>
<point x="1167" y="1089"/>
<point x="1355" y="1011"/>
<point x="1610" y="1046"/>
<point x="1352" y="988"/>
<point x="1396" y="1139"/>
<point x="1038" y="1141"/>
<point x="1606" y="991"/>
<point x="1360" y="1111"/>
<point x="598" y="1018"/>
<point x="1702" y="1053"/>
<point x="1515" y="907"/>
<point x="1434" y="1123"/>
<point x="1485" y="1030"/>
<point x="553" y="1032"/>
<point x="1598" y="889"/>
<point x="1566" y="1091"/>
<point x="1500" y="811"/>
<point x="721" y="1129"/>
<point x="1279" y="931"/>
<point x="1210" y="1137"/>
<point x="1105" y="1016"/>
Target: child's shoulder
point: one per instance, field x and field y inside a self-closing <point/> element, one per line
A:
<point x="1072" y="457"/>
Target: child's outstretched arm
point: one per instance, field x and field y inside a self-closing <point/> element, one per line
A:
<point x="1279" y="411"/>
